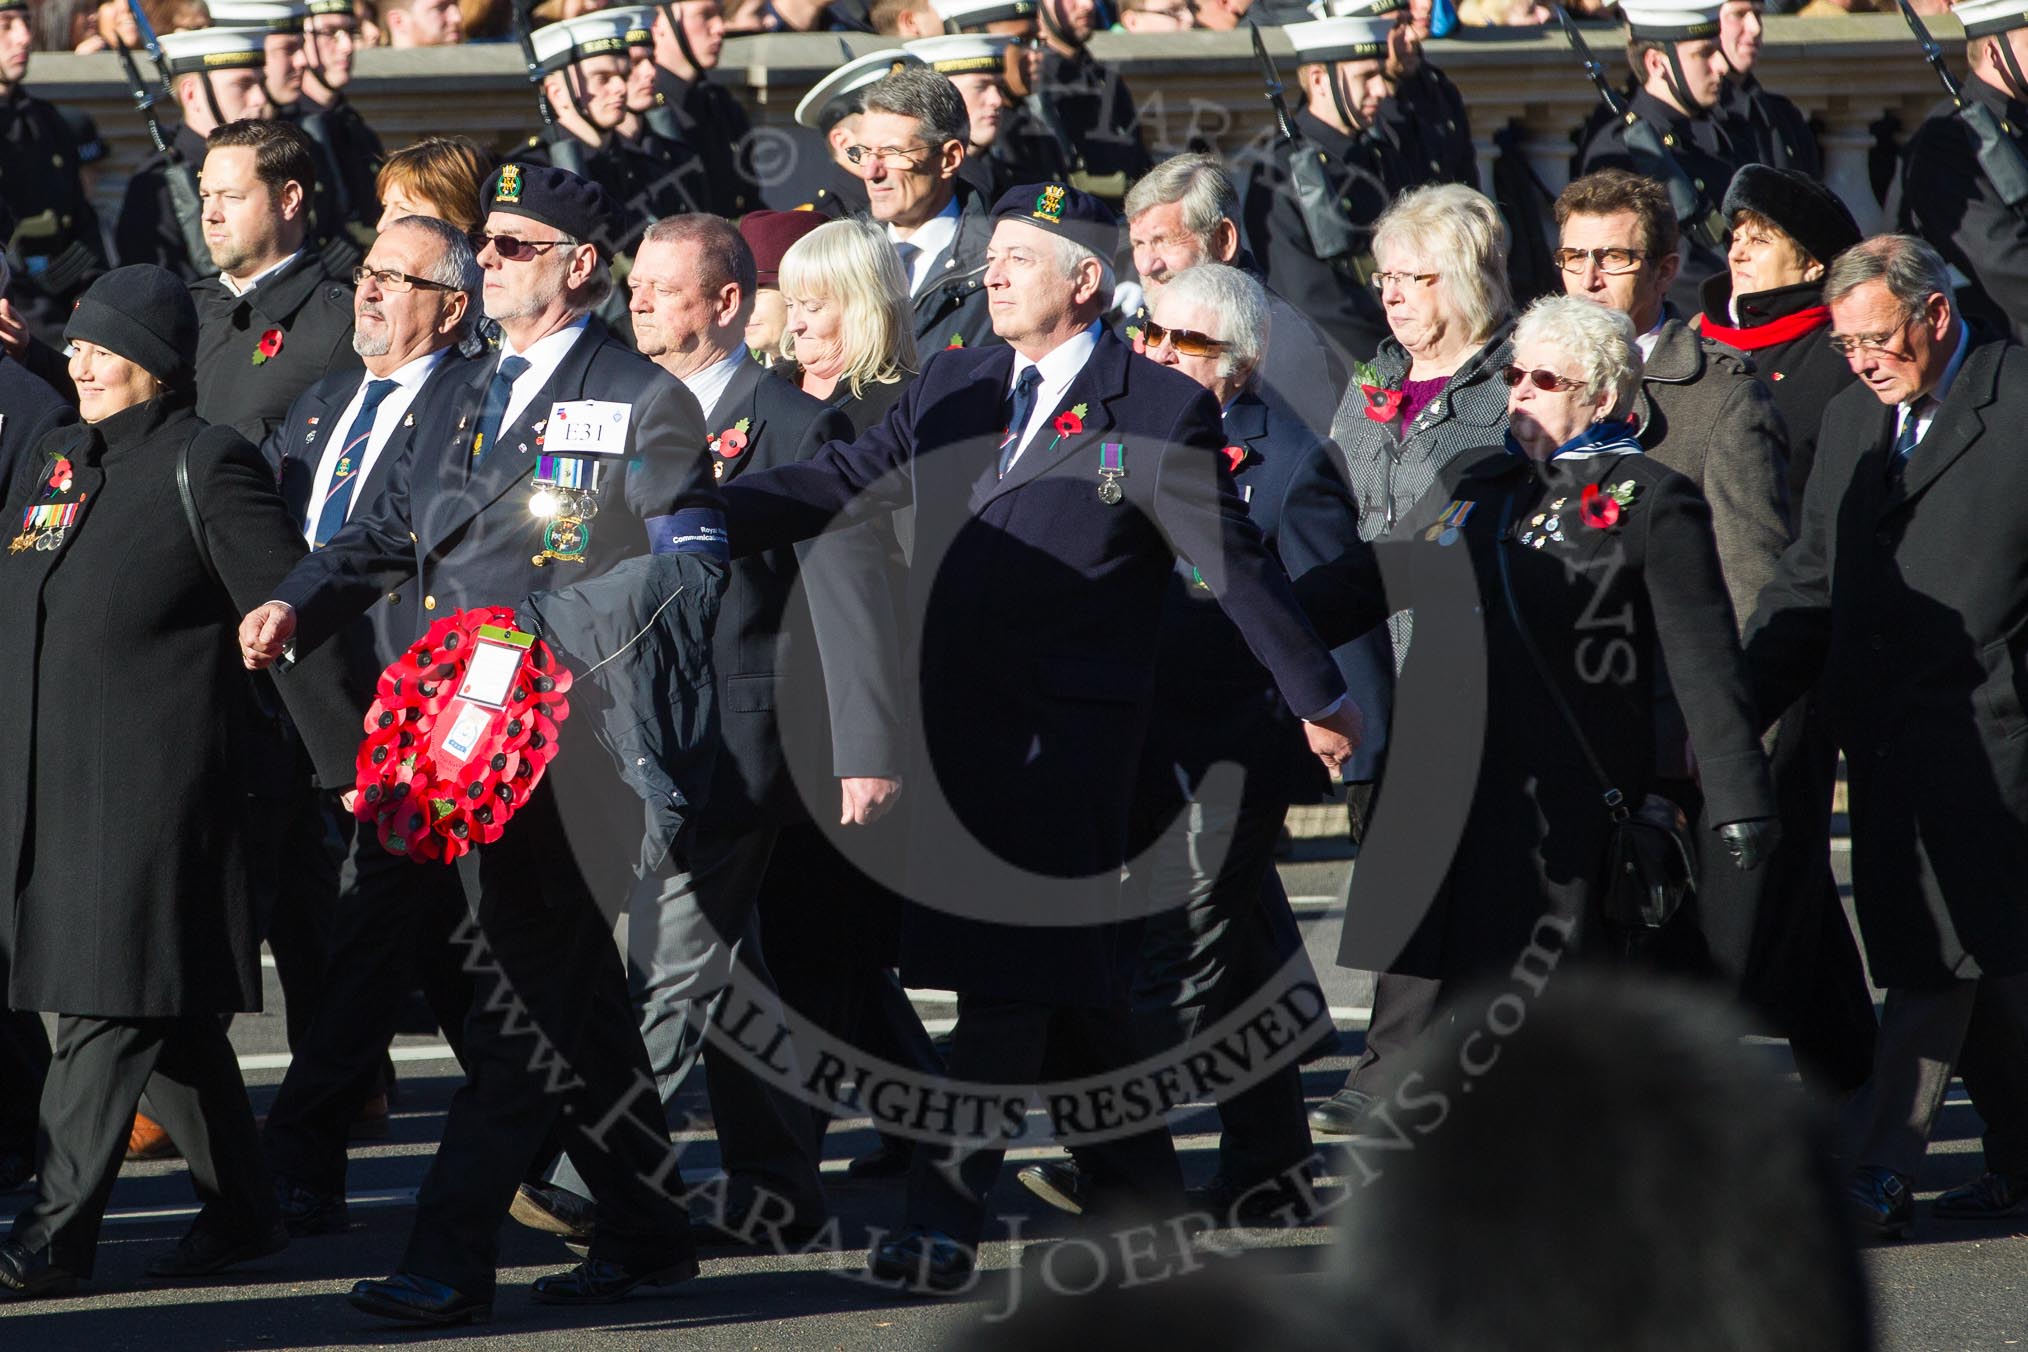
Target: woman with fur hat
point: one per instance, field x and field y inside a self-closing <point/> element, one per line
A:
<point x="137" y="768"/>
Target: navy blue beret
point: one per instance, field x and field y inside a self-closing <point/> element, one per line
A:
<point x="1063" y="210"/>
<point x="558" y="198"/>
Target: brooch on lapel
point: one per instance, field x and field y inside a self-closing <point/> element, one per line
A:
<point x="1070" y="422"/>
<point x="728" y="444"/>
<point x="1544" y="526"/>
<point x="1600" y="508"/>
<point x="270" y="347"/>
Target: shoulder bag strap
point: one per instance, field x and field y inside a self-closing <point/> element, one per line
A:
<point x="190" y="516"/>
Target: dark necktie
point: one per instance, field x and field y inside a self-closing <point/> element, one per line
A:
<point x="1906" y="440"/>
<point x="351" y="455"/>
<point x="494" y="411"/>
<point x="1022" y="405"/>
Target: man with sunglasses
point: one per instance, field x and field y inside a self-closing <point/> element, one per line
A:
<point x="912" y="143"/>
<point x="1700" y="410"/>
<point x="361" y="919"/>
<point x="1342" y="75"/>
<point x="1901" y="605"/>
<point x="480" y="516"/>
<point x="275" y="319"/>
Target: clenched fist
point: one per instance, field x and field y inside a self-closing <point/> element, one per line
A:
<point x="265" y="633"/>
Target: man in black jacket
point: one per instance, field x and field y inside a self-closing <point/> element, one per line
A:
<point x="688" y="36"/>
<point x="50" y="225"/>
<point x="1915" y="644"/>
<point x="351" y="148"/>
<point x="692" y="292"/>
<point x="274" y="320"/>
<point x="479" y="520"/>
<point x="351" y="929"/>
<point x="1081" y="122"/>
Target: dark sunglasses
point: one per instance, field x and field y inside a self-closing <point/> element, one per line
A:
<point x="1541" y="380"/>
<point x="512" y="250"/>
<point x="1189" y="342"/>
<point x="395" y="281"/>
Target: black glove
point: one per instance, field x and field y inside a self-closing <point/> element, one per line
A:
<point x="1749" y="842"/>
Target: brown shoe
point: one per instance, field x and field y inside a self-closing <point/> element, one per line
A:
<point x="147" y="1141"/>
<point x="371" y="1123"/>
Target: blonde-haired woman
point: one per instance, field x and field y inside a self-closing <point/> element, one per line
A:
<point x="850" y="332"/>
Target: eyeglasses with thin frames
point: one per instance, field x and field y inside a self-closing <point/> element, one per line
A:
<point x="395" y="281"/>
<point x="1871" y="344"/>
<point x="891" y="157"/>
<point x="1383" y="280"/>
<point x="1612" y="262"/>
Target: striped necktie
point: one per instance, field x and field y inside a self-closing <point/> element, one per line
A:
<point x="351" y="454"/>
<point x="1022" y="405"/>
<point x="493" y="411"/>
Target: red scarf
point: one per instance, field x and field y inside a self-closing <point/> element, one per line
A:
<point x="1771" y="334"/>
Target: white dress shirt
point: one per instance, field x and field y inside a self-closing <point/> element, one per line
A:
<point x="241" y="288"/>
<point x="709" y="384"/>
<point x="543" y="356"/>
<point x="1930" y="403"/>
<point x="1059" y="367"/>
<point x="1646" y="342"/>
<point x="929" y="239"/>
<point x="407" y="379"/>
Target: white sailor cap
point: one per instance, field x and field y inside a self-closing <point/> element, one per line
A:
<point x="1982" y="18"/>
<point x="598" y="33"/>
<point x="1671" y="20"/>
<point x="963" y="53"/>
<point x="639" y="22"/>
<point x="320" y="7"/>
<point x="841" y="84"/>
<point x="1356" y="9"/>
<point x="196" y="50"/>
<point x="1339" y="39"/>
<point x="972" y="16"/>
<point x="276" y="16"/>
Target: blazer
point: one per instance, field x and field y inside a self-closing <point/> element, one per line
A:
<point x="1034" y="606"/>
<point x="1906" y="606"/>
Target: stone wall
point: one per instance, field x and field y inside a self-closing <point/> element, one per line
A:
<point x="1848" y="73"/>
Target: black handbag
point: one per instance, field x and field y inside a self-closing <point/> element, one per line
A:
<point x="1649" y="870"/>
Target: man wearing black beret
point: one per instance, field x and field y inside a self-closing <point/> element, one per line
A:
<point x="497" y="503"/>
<point x="1054" y="482"/>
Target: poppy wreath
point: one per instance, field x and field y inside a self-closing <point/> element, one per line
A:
<point x="429" y="806"/>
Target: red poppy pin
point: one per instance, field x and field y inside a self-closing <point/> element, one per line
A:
<point x="1071" y="421"/>
<point x="957" y="340"/>
<point x="59" y="475"/>
<point x="1235" y="456"/>
<point x="1383" y="405"/>
<point x="1600" y="508"/>
<point x="732" y="440"/>
<point x="270" y="348"/>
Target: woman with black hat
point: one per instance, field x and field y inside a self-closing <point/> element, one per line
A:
<point x="1786" y="229"/>
<point x="134" y="761"/>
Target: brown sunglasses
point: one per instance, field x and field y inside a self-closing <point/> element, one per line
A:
<point x="1541" y="380"/>
<point x="511" y="249"/>
<point x="1189" y="342"/>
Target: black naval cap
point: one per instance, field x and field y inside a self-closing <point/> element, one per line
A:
<point x="1063" y="210"/>
<point x="1810" y="213"/>
<point x="143" y="313"/>
<point x="556" y="197"/>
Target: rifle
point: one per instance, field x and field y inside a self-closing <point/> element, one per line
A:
<point x="177" y="174"/>
<point x="2000" y="158"/>
<point x="1650" y="149"/>
<point x="1330" y="233"/>
<point x="564" y="151"/>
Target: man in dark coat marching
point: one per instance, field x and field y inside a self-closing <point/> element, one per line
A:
<point x="477" y="523"/>
<point x="1054" y="484"/>
<point x="1915" y="644"/>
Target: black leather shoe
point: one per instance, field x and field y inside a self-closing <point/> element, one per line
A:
<point x="409" y="1299"/>
<point x="16" y="1169"/>
<point x="890" y="1159"/>
<point x="209" y="1250"/>
<point x="927" y="1261"/>
<point x="1988" y="1197"/>
<point x="1342" y="1114"/>
<point x="308" y="1212"/>
<point x="1272" y="1205"/>
<point x="1058" y="1182"/>
<point x="596" y="1281"/>
<point x="26" y="1275"/>
<point x="554" y="1211"/>
<point x="1880" y="1203"/>
<point x="739" y="1227"/>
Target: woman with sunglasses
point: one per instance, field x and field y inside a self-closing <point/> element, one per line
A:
<point x="1431" y="394"/>
<point x="1586" y="566"/>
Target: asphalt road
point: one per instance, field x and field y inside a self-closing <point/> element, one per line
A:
<point x="1955" y="1287"/>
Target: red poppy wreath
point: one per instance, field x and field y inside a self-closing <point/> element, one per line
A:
<point x="462" y="727"/>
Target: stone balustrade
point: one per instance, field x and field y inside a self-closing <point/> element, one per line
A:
<point x="1848" y="73"/>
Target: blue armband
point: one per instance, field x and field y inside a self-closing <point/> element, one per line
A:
<point x="693" y="530"/>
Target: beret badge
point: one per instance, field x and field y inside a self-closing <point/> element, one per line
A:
<point x="1049" y="204"/>
<point x="510" y="184"/>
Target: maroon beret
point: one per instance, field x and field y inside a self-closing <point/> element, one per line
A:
<point x="770" y="233"/>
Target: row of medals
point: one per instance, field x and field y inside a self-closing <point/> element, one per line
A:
<point x="567" y="513"/>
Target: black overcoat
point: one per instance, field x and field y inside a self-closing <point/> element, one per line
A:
<point x="1908" y="606"/>
<point x="1605" y="606"/>
<point x="312" y="311"/>
<point x="132" y="743"/>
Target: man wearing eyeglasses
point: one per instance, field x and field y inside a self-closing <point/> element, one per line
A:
<point x="493" y="507"/>
<point x="350" y="925"/>
<point x="912" y="139"/>
<point x="1700" y="410"/>
<point x="274" y="321"/>
<point x="1901" y="604"/>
